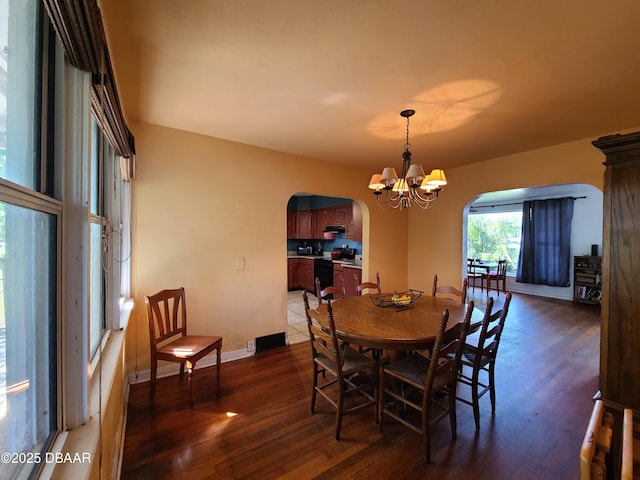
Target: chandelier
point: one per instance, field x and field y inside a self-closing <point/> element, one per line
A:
<point x="413" y="187"/>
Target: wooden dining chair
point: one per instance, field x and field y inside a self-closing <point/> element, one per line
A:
<point x="169" y="341"/>
<point x="474" y="274"/>
<point x="449" y="290"/>
<point x="365" y="285"/>
<point x="500" y="275"/>
<point x="479" y="358"/>
<point x="418" y="391"/>
<point x="340" y="367"/>
<point x="335" y="291"/>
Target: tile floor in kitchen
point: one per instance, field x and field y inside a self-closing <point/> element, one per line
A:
<point x="297" y="330"/>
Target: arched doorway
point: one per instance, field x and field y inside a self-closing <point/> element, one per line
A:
<point x="586" y="228"/>
<point x="317" y="226"/>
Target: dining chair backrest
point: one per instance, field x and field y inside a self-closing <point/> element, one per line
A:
<point x="364" y="285"/>
<point x="491" y="332"/>
<point x="447" y="289"/>
<point x="501" y="270"/>
<point x="336" y="291"/>
<point x="322" y="333"/>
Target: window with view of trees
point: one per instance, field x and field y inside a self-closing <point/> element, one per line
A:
<point x="495" y="235"/>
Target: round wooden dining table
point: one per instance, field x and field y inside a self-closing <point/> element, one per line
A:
<point x="359" y="321"/>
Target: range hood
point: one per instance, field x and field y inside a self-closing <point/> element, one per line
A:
<point x="336" y="229"/>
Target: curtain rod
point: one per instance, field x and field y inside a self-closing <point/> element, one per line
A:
<point x="518" y="203"/>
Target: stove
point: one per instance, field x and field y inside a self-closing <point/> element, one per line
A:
<point x="323" y="270"/>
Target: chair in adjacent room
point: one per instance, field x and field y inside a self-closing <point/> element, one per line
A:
<point x="350" y="373"/>
<point x="449" y="290"/>
<point x="418" y="391"/>
<point x="500" y="275"/>
<point x="335" y="291"/>
<point x="367" y="285"/>
<point x="479" y="358"/>
<point x="169" y="341"/>
<point x="474" y="274"/>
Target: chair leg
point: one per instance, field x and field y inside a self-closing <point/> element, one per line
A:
<point x="380" y="399"/>
<point x="339" y="409"/>
<point x="426" y="435"/>
<point x="475" y="398"/>
<point x="314" y="391"/>
<point x="452" y="411"/>
<point x="181" y="374"/>
<point x="190" y="368"/>
<point x="218" y="362"/>
<point x="492" y="388"/>
<point x="152" y="381"/>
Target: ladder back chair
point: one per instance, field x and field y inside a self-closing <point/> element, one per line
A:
<point x="336" y="291"/>
<point x="343" y="370"/>
<point x="479" y="357"/>
<point x="422" y="391"/>
<point x="169" y="341"/>
<point x="500" y="275"/>
<point x="474" y="274"/>
<point x="365" y="285"/>
<point x="446" y="289"/>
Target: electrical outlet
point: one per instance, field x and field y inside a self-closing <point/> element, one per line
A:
<point x="251" y="347"/>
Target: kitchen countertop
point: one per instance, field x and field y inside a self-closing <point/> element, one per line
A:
<point x="345" y="263"/>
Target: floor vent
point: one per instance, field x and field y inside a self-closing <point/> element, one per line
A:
<point x="270" y="341"/>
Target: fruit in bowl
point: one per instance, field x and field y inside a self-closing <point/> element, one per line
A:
<point x="401" y="299"/>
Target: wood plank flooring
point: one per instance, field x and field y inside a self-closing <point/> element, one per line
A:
<point x="258" y="424"/>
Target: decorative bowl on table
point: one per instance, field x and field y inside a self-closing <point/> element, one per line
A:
<point x="398" y="300"/>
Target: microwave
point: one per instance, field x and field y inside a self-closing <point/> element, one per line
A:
<point x="306" y="250"/>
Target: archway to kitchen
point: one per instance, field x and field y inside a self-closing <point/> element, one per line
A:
<point x="324" y="240"/>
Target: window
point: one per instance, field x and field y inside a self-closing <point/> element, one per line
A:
<point x="29" y="232"/>
<point x="495" y="235"/>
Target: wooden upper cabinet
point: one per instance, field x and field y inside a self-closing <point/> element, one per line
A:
<point x="291" y="223"/>
<point x="353" y="227"/>
<point x="310" y="224"/>
<point x="340" y="216"/>
<point x="620" y="306"/>
<point x="305" y="229"/>
<point x="328" y="216"/>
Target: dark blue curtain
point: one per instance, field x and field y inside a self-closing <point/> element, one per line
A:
<point x="545" y="242"/>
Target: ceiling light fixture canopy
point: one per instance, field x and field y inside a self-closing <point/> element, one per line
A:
<point x="413" y="187"/>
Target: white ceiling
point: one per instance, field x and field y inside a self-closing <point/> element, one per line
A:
<point x="327" y="79"/>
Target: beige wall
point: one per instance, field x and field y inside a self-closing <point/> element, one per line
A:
<point x="200" y="202"/>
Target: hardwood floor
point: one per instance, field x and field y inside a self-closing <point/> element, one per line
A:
<point x="259" y="425"/>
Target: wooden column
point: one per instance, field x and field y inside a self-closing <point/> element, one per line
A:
<point x="620" y="311"/>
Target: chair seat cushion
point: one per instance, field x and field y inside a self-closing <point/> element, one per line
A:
<point x="353" y="361"/>
<point x="190" y="345"/>
<point x="470" y="353"/>
<point x="411" y="367"/>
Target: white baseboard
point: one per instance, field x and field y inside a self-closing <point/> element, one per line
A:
<point x="172" y="368"/>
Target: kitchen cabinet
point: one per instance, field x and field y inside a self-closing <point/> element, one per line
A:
<point x="350" y="282"/>
<point x="339" y="217"/>
<point x="303" y="226"/>
<point x="300" y="274"/>
<point x="338" y="275"/>
<point x="326" y="217"/>
<point x="353" y="227"/>
<point x="291" y="223"/>
<point x="306" y="274"/>
<point x="310" y="224"/>
<point x="293" y="273"/>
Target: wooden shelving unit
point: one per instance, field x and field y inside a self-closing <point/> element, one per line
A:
<point x="587" y="279"/>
